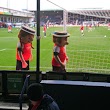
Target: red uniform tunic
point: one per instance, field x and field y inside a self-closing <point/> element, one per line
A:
<point x="45" y="28"/>
<point x="9" y="28"/>
<point x="82" y="28"/>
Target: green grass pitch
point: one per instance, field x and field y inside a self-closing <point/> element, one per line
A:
<point x="88" y="53"/>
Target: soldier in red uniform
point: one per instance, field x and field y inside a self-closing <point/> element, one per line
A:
<point x="44" y="30"/>
<point x="82" y="30"/>
<point x="9" y="28"/>
<point x="108" y="26"/>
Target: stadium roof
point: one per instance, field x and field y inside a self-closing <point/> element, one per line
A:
<point x="96" y="12"/>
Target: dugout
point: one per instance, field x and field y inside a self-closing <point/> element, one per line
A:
<point x="11" y="82"/>
<point x="76" y="76"/>
<point x="78" y="91"/>
<point x="79" y="95"/>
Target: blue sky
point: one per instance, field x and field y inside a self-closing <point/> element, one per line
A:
<point x="45" y="4"/>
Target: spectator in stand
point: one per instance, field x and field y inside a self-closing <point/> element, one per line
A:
<point x="39" y="100"/>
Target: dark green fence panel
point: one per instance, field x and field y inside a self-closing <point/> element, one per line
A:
<point x="14" y="82"/>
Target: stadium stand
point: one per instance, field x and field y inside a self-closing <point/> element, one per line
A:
<point x="14" y="16"/>
<point x="82" y="15"/>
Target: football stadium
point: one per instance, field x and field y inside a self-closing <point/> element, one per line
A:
<point x="89" y="53"/>
<point x="86" y="80"/>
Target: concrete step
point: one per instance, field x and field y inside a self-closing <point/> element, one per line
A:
<point x="12" y="106"/>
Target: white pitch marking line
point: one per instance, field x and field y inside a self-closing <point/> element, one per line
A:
<point x="2" y="49"/>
